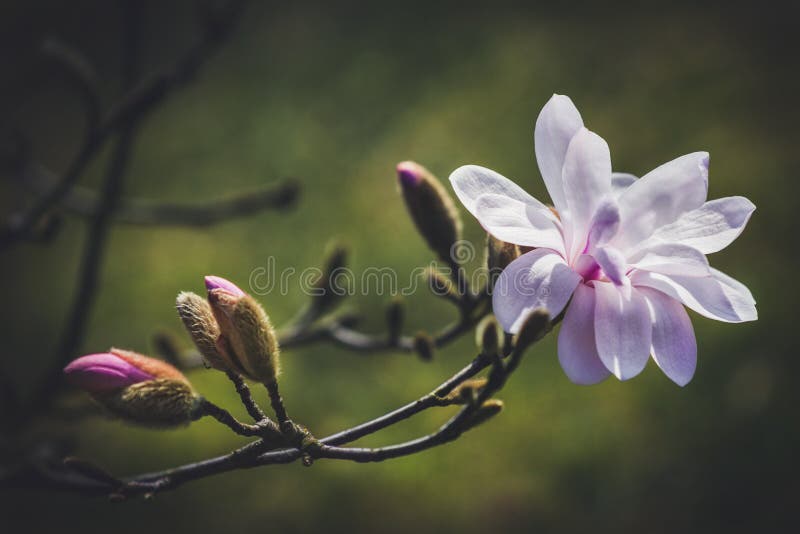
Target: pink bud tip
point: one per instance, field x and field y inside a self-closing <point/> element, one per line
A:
<point x="98" y="373"/>
<point x="409" y="173"/>
<point x="215" y="282"/>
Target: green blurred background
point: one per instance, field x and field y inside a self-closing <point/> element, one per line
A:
<point x="336" y="96"/>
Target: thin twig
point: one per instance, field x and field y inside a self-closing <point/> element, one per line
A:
<point x="139" y="100"/>
<point x="99" y="227"/>
<point x="210" y="409"/>
<point x="246" y="396"/>
<point x="143" y="212"/>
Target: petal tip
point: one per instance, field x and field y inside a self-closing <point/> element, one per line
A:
<point x="217" y="282"/>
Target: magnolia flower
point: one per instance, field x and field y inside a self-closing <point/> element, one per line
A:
<point x="629" y="252"/>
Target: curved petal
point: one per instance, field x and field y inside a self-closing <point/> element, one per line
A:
<point x="537" y="279"/>
<point x="661" y="196"/>
<point x="472" y="181"/>
<point x="622" y="329"/>
<point x="613" y="263"/>
<point x="577" y="351"/>
<point x="556" y="125"/>
<point x="674" y="344"/>
<point x="671" y="258"/>
<point x="587" y="181"/>
<point x="620" y="181"/>
<point x="515" y="222"/>
<point x="717" y="296"/>
<point x="604" y="225"/>
<point x="710" y="228"/>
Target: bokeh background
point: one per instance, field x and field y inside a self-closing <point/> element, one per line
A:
<point x="336" y="95"/>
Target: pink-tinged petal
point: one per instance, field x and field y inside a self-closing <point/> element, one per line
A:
<point x="613" y="263"/>
<point x="717" y="296"/>
<point x="711" y="227"/>
<point x="103" y="372"/>
<point x="577" y="351"/>
<point x="622" y="329"/>
<point x="604" y="225"/>
<point x="674" y="344"/>
<point x="620" y="181"/>
<point x="661" y="196"/>
<point x="216" y="282"/>
<point x="471" y="182"/>
<point x="537" y="279"/>
<point x="671" y="258"/>
<point x="516" y="222"/>
<point x="587" y="181"/>
<point x="556" y="125"/>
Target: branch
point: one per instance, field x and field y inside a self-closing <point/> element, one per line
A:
<point x="143" y="212"/>
<point x="139" y="101"/>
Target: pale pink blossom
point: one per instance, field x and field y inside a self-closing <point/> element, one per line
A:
<point x="628" y="252"/>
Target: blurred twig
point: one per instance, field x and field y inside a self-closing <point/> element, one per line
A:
<point x="134" y="211"/>
<point x="137" y="102"/>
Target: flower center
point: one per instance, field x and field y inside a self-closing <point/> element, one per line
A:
<point x="588" y="268"/>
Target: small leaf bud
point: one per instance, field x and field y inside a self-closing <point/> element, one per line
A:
<point x="424" y="346"/>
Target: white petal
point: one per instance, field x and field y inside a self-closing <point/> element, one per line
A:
<point x="577" y="351"/>
<point x="516" y="222"/>
<point x="557" y="123"/>
<point x="538" y="279"/>
<point x="671" y="258"/>
<point x="620" y="181"/>
<point x="472" y="181"/>
<point x="711" y="227"/>
<point x="717" y="296"/>
<point x="622" y="329"/>
<point x="674" y="344"/>
<point x="587" y="182"/>
<point x="661" y="196"/>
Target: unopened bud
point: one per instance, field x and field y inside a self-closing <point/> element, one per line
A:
<point x="536" y="325"/>
<point x="135" y="388"/>
<point x="424" y="346"/>
<point x="441" y="285"/>
<point x="395" y="315"/>
<point x="247" y="339"/>
<point x="198" y="318"/>
<point x="489" y="336"/>
<point x="487" y="410"/>
<point x="499" y="255"/>
<point x="431" y="208"/>
<point x="327" y="292"/>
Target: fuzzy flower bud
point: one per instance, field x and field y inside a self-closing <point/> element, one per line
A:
<point x="489" y="336"/>
<point x="197" y="317"/>
<point x="499" y="255"/>
<point x="535" y="326"/>
<point x="247" y="340"/>
<point x="135" y="388"/>
<point x="431" y="208"/>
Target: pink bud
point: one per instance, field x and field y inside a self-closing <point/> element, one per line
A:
<point x="409" y="173"/>
<point x="98" y="373"/>
<point x="215" y="282"/>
